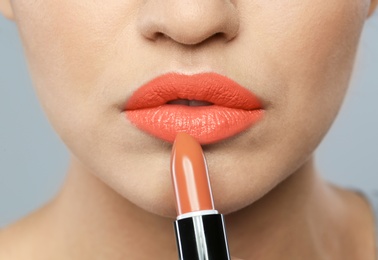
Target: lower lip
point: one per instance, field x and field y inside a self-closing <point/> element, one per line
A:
<point x="208" y="124"/>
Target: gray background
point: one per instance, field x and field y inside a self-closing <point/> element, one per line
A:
<point x="33" y="159"/>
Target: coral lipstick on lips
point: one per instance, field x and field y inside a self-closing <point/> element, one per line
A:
<point x="200" y="230"/>
<point x="208" y="106"/>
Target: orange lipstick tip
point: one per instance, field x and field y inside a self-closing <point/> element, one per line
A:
<point x="190" y="176"/>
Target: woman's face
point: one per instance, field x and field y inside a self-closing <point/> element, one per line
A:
<point x="87" y="58"/>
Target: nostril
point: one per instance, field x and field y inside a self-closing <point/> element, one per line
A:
<point x="162" y="36"/>
<point x="188" y="22"/>
<point x="158" y="36"/>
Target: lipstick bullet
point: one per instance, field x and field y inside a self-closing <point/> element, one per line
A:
<point x="199" y="228"/>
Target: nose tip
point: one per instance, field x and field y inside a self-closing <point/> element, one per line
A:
<point x="188" y="22"/>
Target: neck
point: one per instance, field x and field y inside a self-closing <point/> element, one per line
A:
<point x="93" y="221"/>
<point x="95" y="216"/>
<point x="284" y="224"/>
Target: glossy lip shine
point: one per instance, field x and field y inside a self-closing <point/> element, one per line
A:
<point x="232" y="110"/>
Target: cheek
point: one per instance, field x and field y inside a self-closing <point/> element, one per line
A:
<point x="311" y="45"/>
<point x="70" y="39"/>
<point x="69" y="45"/>
<point x="316" y="43"/>
<point x="319" y="55"/>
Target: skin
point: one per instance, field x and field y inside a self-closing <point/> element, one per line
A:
<point x="87" y="57"/>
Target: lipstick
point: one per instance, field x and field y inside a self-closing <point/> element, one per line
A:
<point x="199" y="228"/>
<point x="208" y="106"/>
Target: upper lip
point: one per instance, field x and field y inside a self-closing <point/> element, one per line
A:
<point x="209" y="87"/>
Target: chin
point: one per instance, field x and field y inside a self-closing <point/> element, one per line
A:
<point x="160" y="201"/>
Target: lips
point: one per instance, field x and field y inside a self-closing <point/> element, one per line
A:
<point x="208" y="106"/>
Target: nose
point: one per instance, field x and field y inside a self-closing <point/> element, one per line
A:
<point x="188" y="22"/>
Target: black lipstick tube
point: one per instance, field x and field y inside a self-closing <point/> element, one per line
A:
<point x="202" y="237"/>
